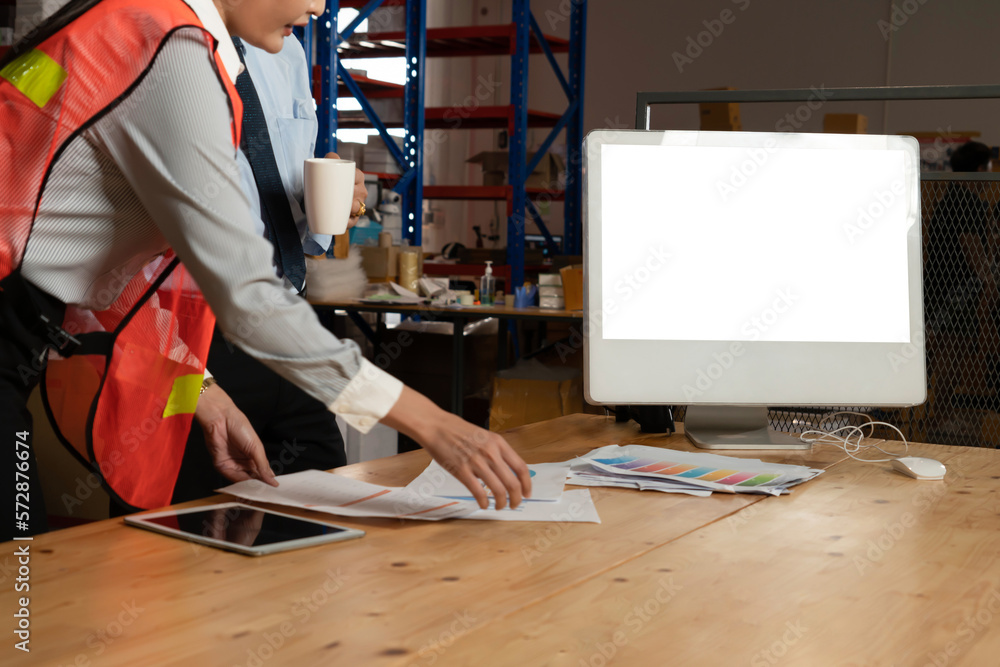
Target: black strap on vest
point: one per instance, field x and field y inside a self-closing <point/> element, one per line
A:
<point x="42" y="314"/>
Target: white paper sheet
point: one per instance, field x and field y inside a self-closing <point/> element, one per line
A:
<point x="547" y="482"/>
<point x="575" y="506"/>
<point x="336" y="494"/>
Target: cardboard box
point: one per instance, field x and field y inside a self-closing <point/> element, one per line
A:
<point x="383" y="263"/>
<point x="572" y="279"/>
<point x="518" y="401"/>
<point x="845" y="123"/>
<point x="352" y="151"/>
<point x="388" y="109"/>
<point x="377" y="157"/>
<point x="380" y="262"/>
<point x="721" y="127"/>
<point x="720" y="116"/>
<point x="495" y="164"/>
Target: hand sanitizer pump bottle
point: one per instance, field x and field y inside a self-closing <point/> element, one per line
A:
<point x="487" y="286"/>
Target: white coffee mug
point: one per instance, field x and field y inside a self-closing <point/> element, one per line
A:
<point x="329" y="186"/>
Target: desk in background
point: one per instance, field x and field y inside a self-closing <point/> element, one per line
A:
<point x="861" y="566"/>
<point x="459" y="315"/>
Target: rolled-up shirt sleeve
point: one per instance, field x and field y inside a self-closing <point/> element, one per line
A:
<point x="172" y="139"/>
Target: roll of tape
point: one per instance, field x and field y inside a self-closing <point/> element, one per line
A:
<point x="408" y="276"/>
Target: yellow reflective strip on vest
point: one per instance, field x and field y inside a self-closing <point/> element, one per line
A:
<point x="36" y="75"/>
<point x="184" y="396"/>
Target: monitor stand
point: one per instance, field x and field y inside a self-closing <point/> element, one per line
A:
<point x="735" y="427"/>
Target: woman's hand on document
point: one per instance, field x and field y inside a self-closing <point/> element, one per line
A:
<point x="236" y="450"/>
<point x="468" y="452"/>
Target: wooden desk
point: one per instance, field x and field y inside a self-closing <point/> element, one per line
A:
<point x="664" y="579"/>
<point x="459" y="315"/>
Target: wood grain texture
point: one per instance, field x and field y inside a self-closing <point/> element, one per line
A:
<point x="409" y="592"/>
<point x="861" y="566"/>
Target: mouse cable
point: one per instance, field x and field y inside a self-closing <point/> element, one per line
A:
<point x="852" y="438"/>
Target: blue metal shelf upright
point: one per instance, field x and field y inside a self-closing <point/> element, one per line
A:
<point x="520" y="39"/>
<point x="327" y="40"/>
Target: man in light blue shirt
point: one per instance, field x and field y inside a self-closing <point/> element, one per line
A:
<point x="285" y="93"/>
<point x="298" y="432"/>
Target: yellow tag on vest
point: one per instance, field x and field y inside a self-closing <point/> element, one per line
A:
<point x="36" y="75"/>
<point x="184" y="396"/>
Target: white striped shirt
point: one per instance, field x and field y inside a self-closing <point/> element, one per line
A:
<point x="159" y="171"/>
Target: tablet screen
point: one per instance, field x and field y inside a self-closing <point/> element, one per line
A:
<point x="246" y="526"/>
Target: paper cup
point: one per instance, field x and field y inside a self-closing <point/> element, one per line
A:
<point x="329" y="186"/>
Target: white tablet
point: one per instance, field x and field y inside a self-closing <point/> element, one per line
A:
<point x="247" y="530"/>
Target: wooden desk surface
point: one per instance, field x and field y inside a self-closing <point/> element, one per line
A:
<point x="861" y="566"/>
<point x="738" y="575"/>
<point x="532" y="313"/>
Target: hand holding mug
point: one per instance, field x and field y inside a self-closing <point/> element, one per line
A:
<point x="332" y="193"/>
<point x="360" y="193"/>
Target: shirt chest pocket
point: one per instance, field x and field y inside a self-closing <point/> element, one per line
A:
<point x="296" y="143"/>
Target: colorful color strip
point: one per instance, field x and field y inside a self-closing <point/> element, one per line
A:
<point x="760" y="479"/>
<point x="656" y="467"/>
<point x="697" y="472"/>
<point x="717" y="475"/>
<point x="737" y="478"/>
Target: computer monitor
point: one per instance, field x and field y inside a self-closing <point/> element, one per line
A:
<point x="757" y="269"/>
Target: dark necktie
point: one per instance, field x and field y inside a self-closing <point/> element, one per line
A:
<point x="274" y="208"/>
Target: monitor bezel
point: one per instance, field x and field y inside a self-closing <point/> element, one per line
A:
<point x="763" y="373"/>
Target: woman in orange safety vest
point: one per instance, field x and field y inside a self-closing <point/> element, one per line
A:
<point x="120" y="207"/>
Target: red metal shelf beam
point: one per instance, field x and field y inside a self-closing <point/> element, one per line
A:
<point x="487" y="192"/>
<point x="462" y="118"/>
<point x="487" y="40"/>
<point x="373" y="87"/>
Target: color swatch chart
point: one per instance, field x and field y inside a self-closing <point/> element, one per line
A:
<point x="730" y="477"/>
<point x="673" y="471"/>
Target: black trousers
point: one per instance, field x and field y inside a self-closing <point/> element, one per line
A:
<point x="23" y="351"/>
<point x="298" y="432"/>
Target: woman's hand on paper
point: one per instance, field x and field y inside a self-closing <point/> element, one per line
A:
<point x="468" y="452"/>
<point x="236" y="450"/>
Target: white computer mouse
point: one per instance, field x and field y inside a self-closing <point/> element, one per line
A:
<point x="919" y="467"/>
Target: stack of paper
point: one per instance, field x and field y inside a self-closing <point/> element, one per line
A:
<point x="432" y="496"/>
<point x="671" y="471"/>
<point x="335" y="494"/>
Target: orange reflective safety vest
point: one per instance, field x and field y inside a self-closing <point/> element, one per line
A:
<point x="125" y="406"/>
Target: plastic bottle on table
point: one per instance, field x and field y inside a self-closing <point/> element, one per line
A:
<point x="487" y="286"/>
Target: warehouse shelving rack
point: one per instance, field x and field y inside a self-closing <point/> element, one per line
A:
<point x="519" y="40"/>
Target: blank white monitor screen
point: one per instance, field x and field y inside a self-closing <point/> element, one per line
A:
<point x="753" y="269"/>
